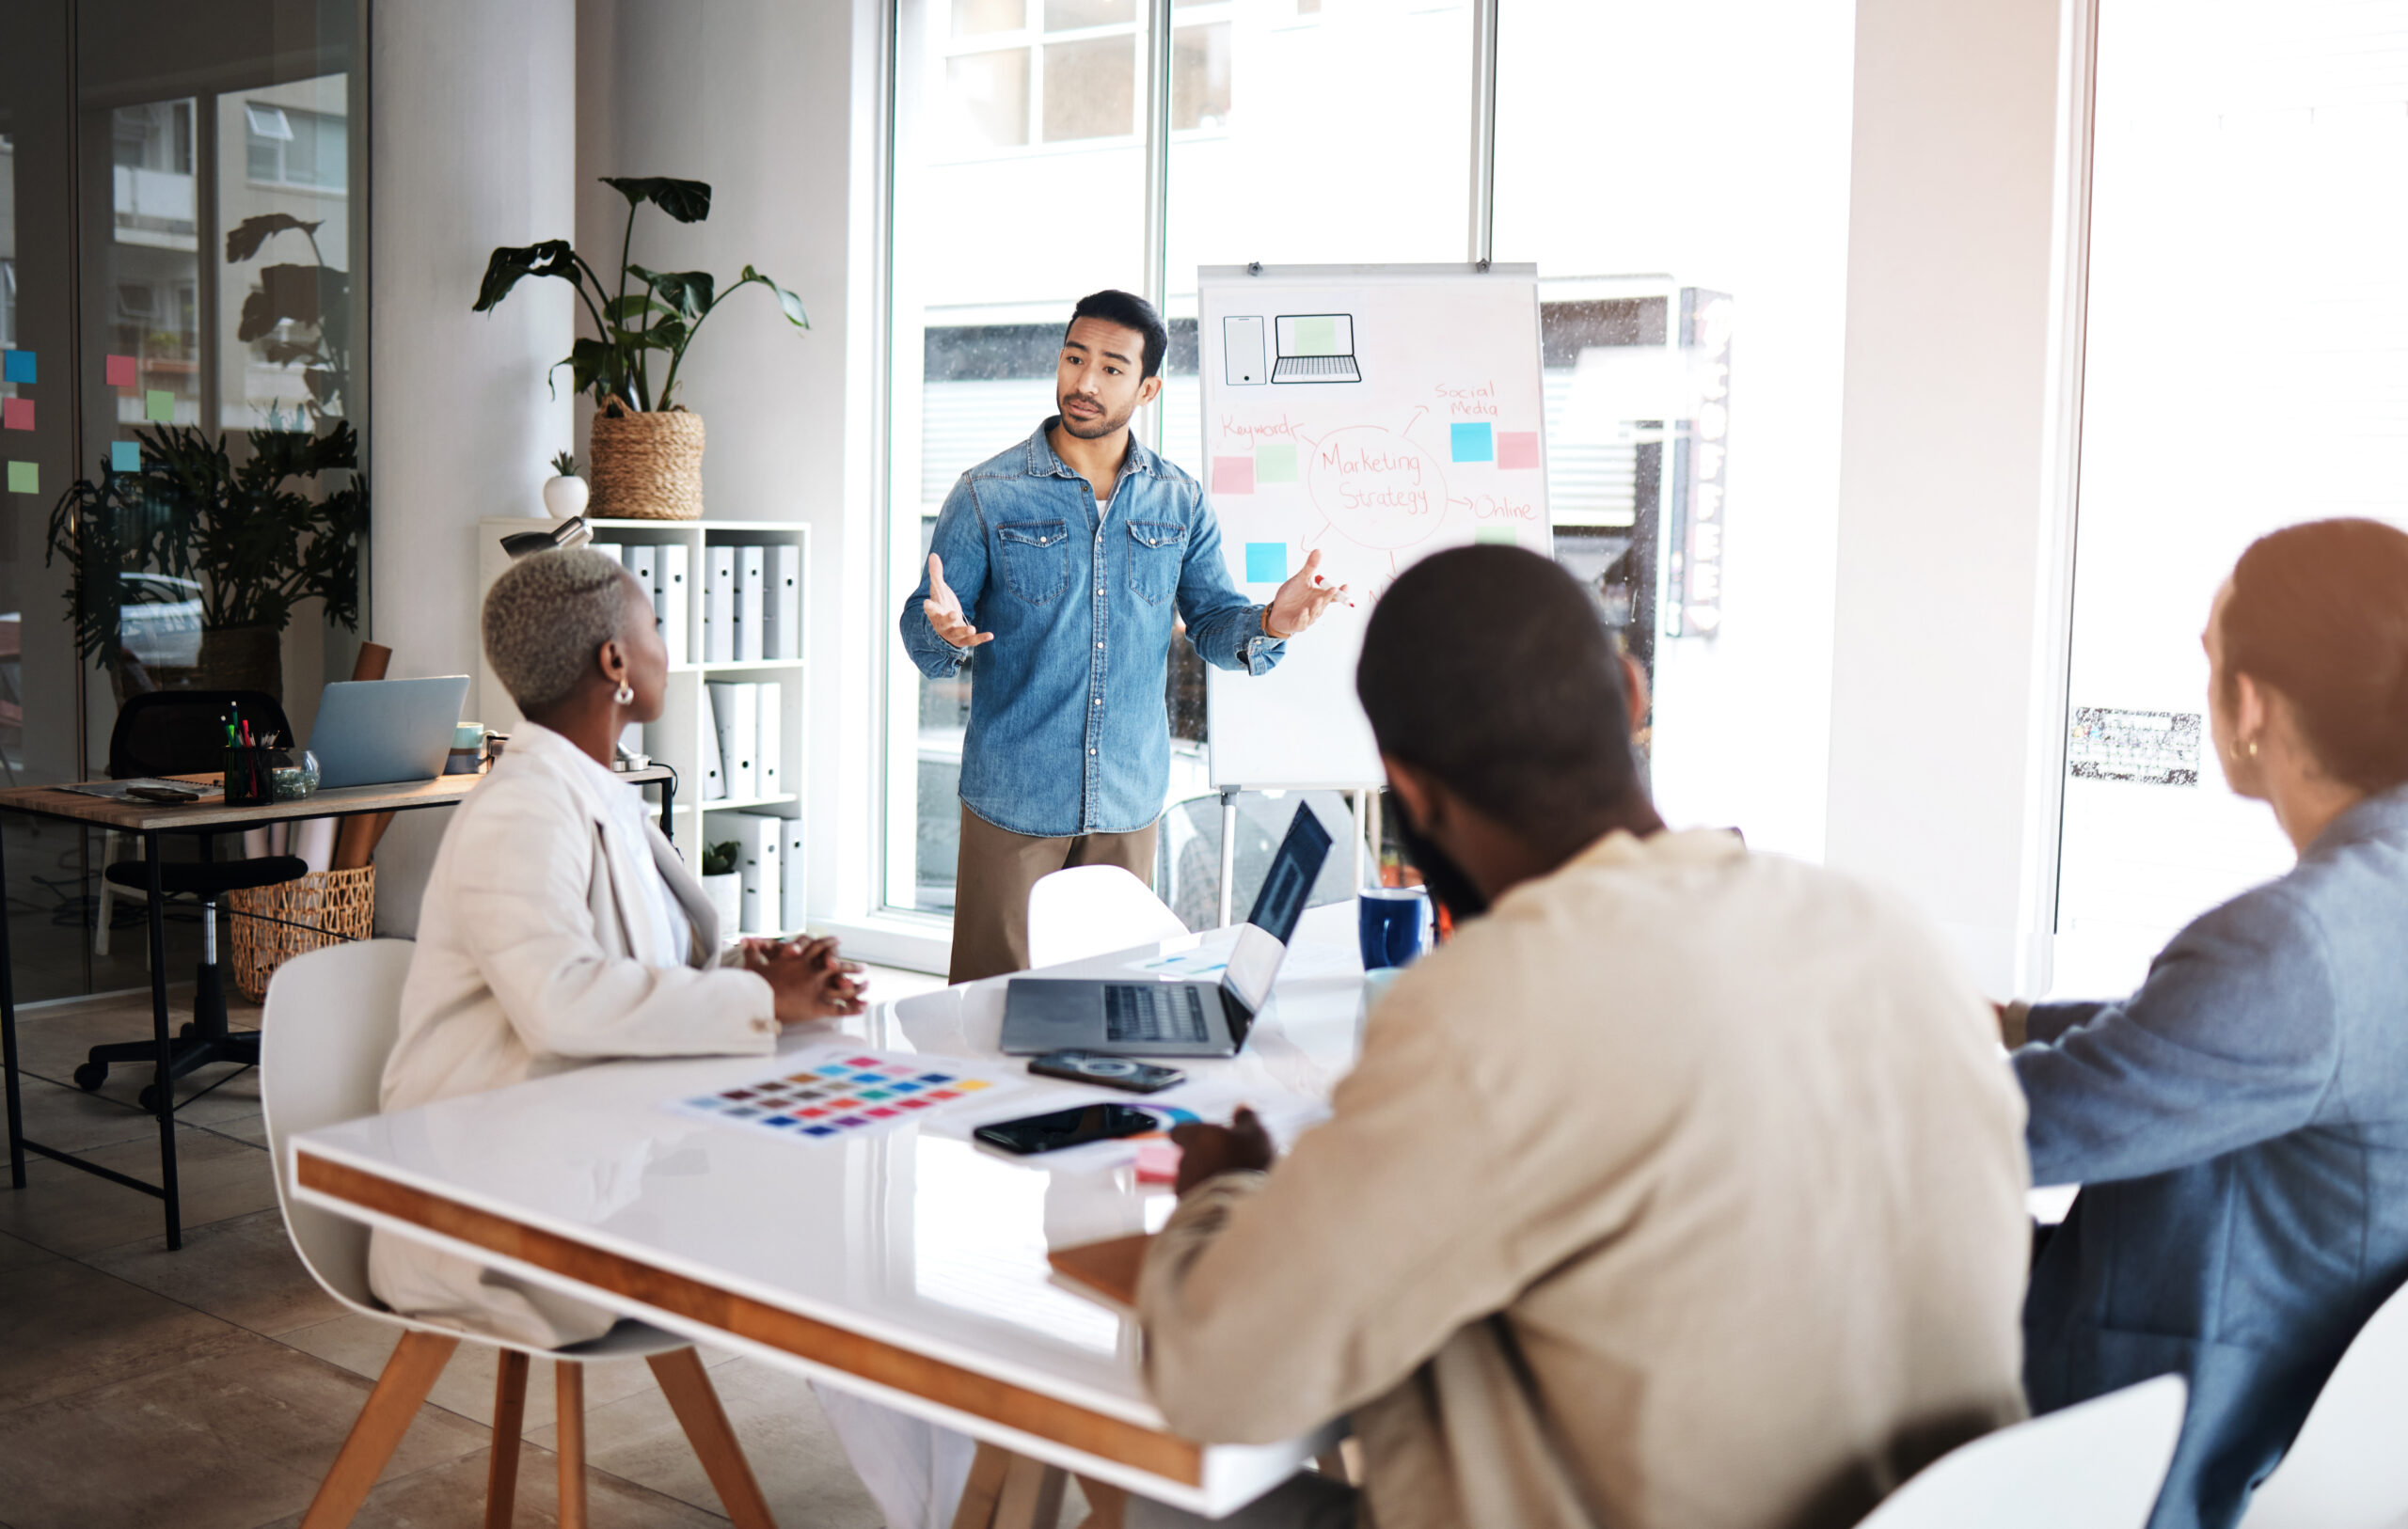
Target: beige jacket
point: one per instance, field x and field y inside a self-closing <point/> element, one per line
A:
<point x="1686" y="1189"/>
<point x="536" y="954"/>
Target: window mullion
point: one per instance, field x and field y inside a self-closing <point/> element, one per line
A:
<point x="1156" y="143"/>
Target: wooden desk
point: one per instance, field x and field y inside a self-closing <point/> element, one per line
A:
<point x="149" y="821"/>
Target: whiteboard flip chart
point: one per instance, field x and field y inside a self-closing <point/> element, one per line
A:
<point x="1375" y="415"/>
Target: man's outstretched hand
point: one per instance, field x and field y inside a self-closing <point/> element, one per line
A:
<point x="944" y="609"/>
<point x="1301" y="601"/>
<point x="1240" y="1146"/>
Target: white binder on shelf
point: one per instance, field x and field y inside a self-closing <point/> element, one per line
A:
<point x="669" y="598"/>
<point x="765" y="773"/>
<point x="782" y="631"/>
<point x="642" y="559"/>
<point x="736" y="717"/>
<point x="790" y="873"/>
<point x="719" y="604"/>
<point x="758" y="841"/>
<point x="611" y="550"/>
<point x="751" y="612"/>
<point x="713" y="773"/>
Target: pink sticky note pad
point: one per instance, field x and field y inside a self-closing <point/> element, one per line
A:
<point x="122" y="371"/>
<point x="1234" y="475"/>
<point x="17" y="413"/>
<point x="1517" y="449"/>
<point x="1157" y="1162"/>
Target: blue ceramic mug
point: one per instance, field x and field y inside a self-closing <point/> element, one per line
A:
<point x="1395" y="925"/>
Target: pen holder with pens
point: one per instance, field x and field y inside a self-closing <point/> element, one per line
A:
<point x="251" y="773"/>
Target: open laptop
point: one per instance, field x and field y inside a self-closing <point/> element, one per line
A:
<point x="373" y="733"/>
<point x="1194" y="1019"/>
<point x="1315" y="348"/>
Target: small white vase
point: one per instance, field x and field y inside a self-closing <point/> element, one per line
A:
<point x="564" y="497"/>
<point x="726" y="894"/>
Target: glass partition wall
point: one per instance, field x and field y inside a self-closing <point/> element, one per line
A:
<point x="180" y="222"/>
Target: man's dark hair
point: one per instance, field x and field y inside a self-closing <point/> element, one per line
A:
<point x="2319" y="613"/>
<point x="1129" y="311"/>
<point x="1492" y="670"/>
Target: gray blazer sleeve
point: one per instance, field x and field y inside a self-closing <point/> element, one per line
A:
<point x="2231" y="1040"/>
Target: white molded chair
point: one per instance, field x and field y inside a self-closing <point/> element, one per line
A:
<point x="1092" y="911"/>
<point x="2098" y="1465"/>
<point x="331" y="1020"/>
<point x="2346" y="1469"/>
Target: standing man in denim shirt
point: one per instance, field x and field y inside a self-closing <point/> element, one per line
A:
<point x="1073" y="551"/>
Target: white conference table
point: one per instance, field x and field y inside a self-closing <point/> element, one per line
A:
<point x="907" y="1268"/>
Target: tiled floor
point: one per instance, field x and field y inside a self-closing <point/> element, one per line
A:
<point x="210" y="1388"/>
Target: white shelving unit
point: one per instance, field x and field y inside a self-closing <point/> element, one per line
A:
<point x="675" y="740"/>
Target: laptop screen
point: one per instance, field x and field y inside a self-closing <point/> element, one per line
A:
<point x="1254" y="961"/>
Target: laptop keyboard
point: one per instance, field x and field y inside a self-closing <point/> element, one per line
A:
<point x="1152" y="1012"/>
<point x="1293" y="368"/>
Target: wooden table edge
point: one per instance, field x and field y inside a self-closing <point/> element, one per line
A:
<point x="950" y="1385"/>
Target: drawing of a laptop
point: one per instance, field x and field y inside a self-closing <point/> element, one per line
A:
<point x="1177" y="1018"/>
<point x="1315" y="348"/>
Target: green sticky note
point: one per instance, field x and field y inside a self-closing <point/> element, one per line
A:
<point x="1317" y="335"/>
<point x="159" y="406"/>
<point x="25" y="477"/>
<point x="1506" y="534"/>
<point x="1274" y="463"/>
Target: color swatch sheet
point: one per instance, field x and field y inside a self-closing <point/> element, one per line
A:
<point x="826" y="1093"/>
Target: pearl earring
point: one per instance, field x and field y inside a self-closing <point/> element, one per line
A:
<point x="627" y="692"/>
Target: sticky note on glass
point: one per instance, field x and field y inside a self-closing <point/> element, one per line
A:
<point x="123" y="373"/>
<point x="1274" y="463"/>
<point x="125" y="456"/>
<point x="17" y="366"/>
<point x="159" y="407"/>
<point x="1266" y="563"/>
<point x="25" y="477"/>
<point x="1517" y="449"/>
<point x="1234" y="475"/>
<point x="1471" y="443"/>
<point x="16" y="413"/>
<point x="1506" y="534"/>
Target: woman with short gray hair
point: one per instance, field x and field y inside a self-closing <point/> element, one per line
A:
<point x="560" y="928"/>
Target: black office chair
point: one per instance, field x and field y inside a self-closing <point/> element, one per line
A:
<point x="183" y="732"/>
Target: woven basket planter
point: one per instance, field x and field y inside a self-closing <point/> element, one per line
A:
<point x="273" y="925"/>
<point x="645" y="464"/>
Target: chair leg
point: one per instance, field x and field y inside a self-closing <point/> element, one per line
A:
<point x="1108" y="1505"/>
<point x="409" y="1375"/>
<point x="509" y="1421"/>
<point x="691" y="1396"/>
<point x="980" y="1492"/>
<point x="571" y="1408"/>
<point x="1032" y="1497"/>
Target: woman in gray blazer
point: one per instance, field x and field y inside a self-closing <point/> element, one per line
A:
<point x="2240" y="1124"/>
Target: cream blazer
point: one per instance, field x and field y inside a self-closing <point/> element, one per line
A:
<point x="535" y="955"/>
<point x="1684" y="1190"/>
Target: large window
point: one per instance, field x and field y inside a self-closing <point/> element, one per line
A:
<point x="2245" y="362"/>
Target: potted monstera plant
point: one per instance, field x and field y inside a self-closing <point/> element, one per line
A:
<point x="644" y="457"/>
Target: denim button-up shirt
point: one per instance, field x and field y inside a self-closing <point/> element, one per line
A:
<point x="1068" y="731"/>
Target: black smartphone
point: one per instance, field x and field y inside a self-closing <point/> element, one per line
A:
<point x="1032" y="1134"/>
<point x="1108" y="1071"/>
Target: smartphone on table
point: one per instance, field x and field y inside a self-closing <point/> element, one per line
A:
<point x="1033" y="1134"/>
<point x="1108" y="1071"/>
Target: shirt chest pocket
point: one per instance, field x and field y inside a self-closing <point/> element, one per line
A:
<point x="1157" y="549"/>
<point x="1036" y="558"/>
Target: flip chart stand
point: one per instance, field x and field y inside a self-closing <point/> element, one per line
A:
<point x="1364" y="803"/>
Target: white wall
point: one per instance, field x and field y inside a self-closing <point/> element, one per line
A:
<point x="1949" y="531"/>
<point x="471" y="145"/>
<point x="764" y="99"/>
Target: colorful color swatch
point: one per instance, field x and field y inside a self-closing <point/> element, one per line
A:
<point x="16" y="414"/>
<point x="25" y="477"/>
<point x="1266" y="563"/>
<point x="825" y="1093"/>
<point x="1471" y="443"/>
<point x="123" y="372"/>
<point x="125" y="456"/>
<point x="1517" y="449"/>
<point x="1234" y="475"/>
<point x="1506" y="534"/>
<point x="17" y="366"/>
<point x="1274" y="463"/>
<point x="159" y="407"/>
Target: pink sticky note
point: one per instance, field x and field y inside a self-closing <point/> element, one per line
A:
<point x="17" y="413"/>
<point x="123" y="373"/>
<point x="1234" y="475"/>
<point x="1517" y="449"/>
<point x="1157" y="1162"/>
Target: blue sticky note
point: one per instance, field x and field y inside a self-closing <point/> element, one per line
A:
<point x="17" y="366"/>
<point x="125" y="456"/>
<point x="1266" y="563"/>
<point x="1472" y="443"/>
